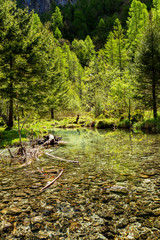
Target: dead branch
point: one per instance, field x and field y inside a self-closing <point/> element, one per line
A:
<point x="2" y="151"/>
<point x="25" y="121"/>
<point x="26" y="164"/>
<point x="49" y="184"/>
<point x="36" y="154"/>
<point x="61" y="159"/>
<point x="9" y="150"/>
<point x="39" y="170"/>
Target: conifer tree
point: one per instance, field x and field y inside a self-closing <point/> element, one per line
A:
<point x="155" y="11"/>
<point x="57" y="23"/>
<point x="109" y="49"/>
<point x="148" y="67"/>
<point x="115" y="48"/>
<point x="136" y="23"/>
<point x="24" y="61"/>
<point x="75" y="74"/>
<point x="120" y="44"/>
<point x="84" y="50"/>
<point x="57" y="19"/>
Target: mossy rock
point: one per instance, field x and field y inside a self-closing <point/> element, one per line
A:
<point x="124" y="124"/>
<point x="151" y="125"/>
<point x="104" y="124"/>
<point x="72" y="126"/>
<point x="90" y="124"/>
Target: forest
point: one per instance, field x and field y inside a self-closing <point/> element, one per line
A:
<point x="80" y="120"/>
<point x="113" y="73"/>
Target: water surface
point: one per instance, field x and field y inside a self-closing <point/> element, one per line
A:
<point x="113" y="193"/>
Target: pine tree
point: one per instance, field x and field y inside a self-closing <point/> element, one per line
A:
<point x="155" y="11"/>
<point x="84" y="50"/>
<point x="24" y="60"/>
<point x="136" y="23"/>
<point x="109" y="49"/>
<point x="57" y="19"/>
<point x="115" y="48"/>
<point x="148" y="67"/>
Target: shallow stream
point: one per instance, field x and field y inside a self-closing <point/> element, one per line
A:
<point x="113" y="193"/>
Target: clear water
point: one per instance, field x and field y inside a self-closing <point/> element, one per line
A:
<point x="105" y="196"/>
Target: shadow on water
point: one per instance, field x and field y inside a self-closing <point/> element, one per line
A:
<point x="114" y="193"/>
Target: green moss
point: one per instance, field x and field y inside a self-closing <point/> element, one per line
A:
<point x="102" y="124"/>
<point x="152" y="125"/>
<point x="124" y="124"/>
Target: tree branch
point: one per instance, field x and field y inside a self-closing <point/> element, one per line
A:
<point x="49" y="184"/>
<point x="61" y="159"/>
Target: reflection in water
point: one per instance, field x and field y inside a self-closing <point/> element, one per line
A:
<point x="112" y="194"/>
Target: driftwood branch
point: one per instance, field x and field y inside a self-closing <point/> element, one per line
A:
<point x="49" y="184"/>
<point x="25" y="121"/>
<point x="2" y="151"/>
<point x="9" y="150"/>
<point x="61" y="159"/>
<point x="39" y="170"/>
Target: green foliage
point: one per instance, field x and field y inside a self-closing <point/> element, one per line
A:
<point x="136" y="23"/>
<point x="42" y="71"/>
<point x="84" y="18"/>
<point x="27" y="65"/>
<point x="103" y="124"/>
<point x="79" y="25"/>
<point x="115" y="48"/>
<point x="152" y="125"/>
<point x="57" y="33"/>
<point x="84" y="50"/>
<point x="148" y="67"/>
<point x="156" y="10"/>
<point x="124" y="124"/>
<point x="57" y="19"/>
<point x="11" y="137"/>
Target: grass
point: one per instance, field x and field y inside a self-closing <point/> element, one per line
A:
<point x="10" y="137"/>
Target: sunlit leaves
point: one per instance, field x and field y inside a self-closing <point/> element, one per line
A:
<point x="115" y="48"/>
<point x="136" y="23"/>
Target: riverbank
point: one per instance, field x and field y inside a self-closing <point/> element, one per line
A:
<point x="149" y="125"/>
<point x="38" y="128"/>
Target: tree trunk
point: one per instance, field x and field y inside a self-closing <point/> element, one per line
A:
<point x="129" y="111"/>
<point x="52" y="113"/>
<point x="22" y="109"/>
<point x="10" y="119"/>
<point x="154" y="104"/>
<point x="154" y="101"/>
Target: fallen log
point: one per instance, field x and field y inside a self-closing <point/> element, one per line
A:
<point x="49" y="140"/>
<point x="61" y="159"/>
<point x="49" y="184"/>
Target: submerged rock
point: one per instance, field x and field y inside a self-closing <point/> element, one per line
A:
<point x="6" y="226"/>
<point x="156" y="212"/>
<point x="42" y="235"/>
<point x="12" y="211"/>
<point x="37" y="219"/>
